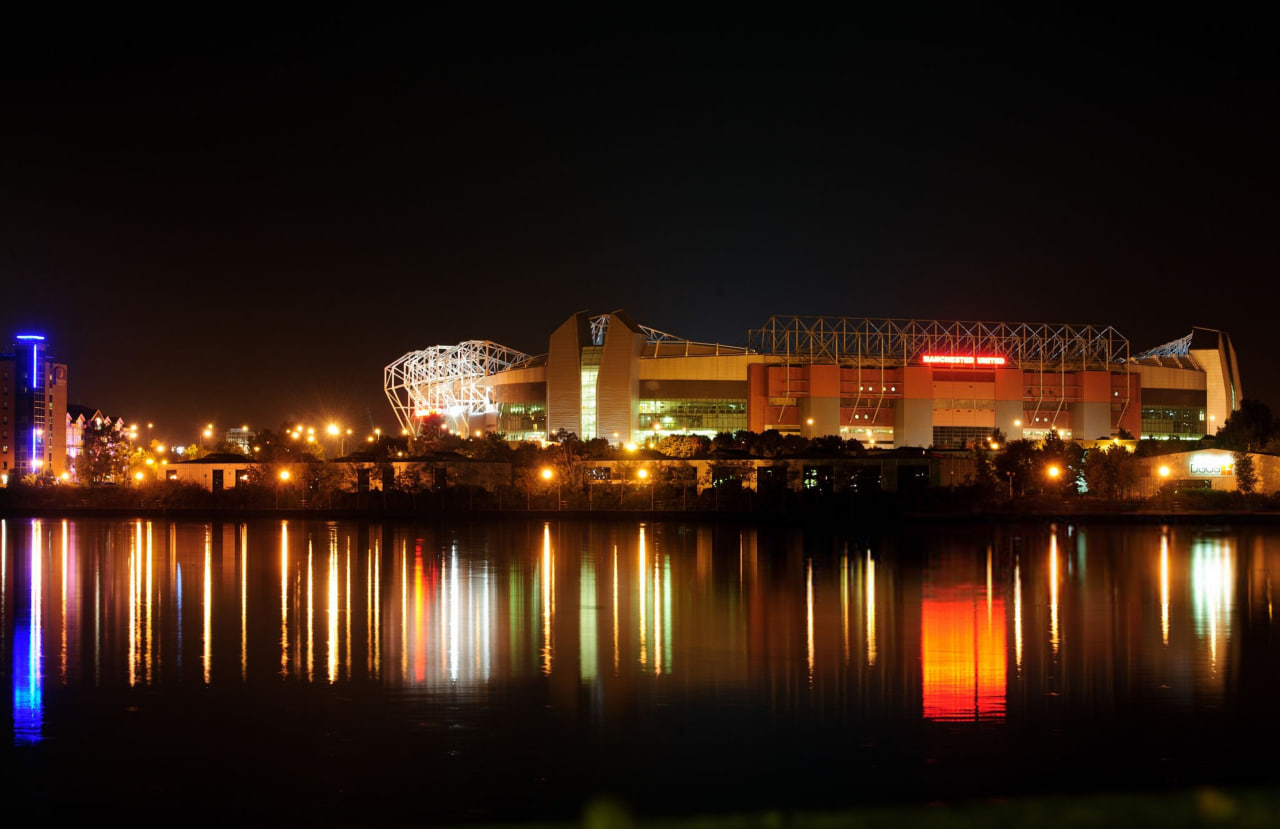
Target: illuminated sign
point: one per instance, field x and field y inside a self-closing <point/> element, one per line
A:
<point x="1223" y="465"/>
<point x="961" y="360"/>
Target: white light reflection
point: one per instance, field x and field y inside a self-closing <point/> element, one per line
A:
<point x="643" y="581"/>
<point x="548" y="598"/>
<point x="332" y="661"/>
<point x="1212" y="583"/>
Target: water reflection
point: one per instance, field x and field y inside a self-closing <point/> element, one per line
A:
<point x="950" y="627"/>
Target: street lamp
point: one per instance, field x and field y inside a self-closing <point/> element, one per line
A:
<point x="284" y="477"/>
<point x="643" y="475"/>
<point x="547" y="475"/>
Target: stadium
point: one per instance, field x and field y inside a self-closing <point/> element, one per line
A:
<point x="887" y="383"/>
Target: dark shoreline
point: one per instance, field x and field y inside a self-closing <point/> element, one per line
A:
<point x="804" y="517"/>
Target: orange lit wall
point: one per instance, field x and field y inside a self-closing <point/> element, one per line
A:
<point x="962" y="655"/>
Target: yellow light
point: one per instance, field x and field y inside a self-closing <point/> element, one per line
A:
<point x="160" y="448"/>
<point x="370" y="438"/>
<point x="995" y="446"/>
<point x="546" y="473"/>
<point x="333" y="429"/>
<point x="66" y="476"/>
<point x="631" y="447"/>
<point x="1054" y="472"/>
<point x="477" y="433"/>
<point x="809" y="421"/>
<point x="643" y="473"/>
<point x="138" y="476"/>
<point x="1164" y="472"/>
<point x="150" y="461"/>
<point x="311" y="430"/>
<point x="284" y="474"/>
<point x="1017" y="423"/>
<point x="311" y="438"/>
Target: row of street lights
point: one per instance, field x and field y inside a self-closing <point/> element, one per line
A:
<point x="642" y="475"/>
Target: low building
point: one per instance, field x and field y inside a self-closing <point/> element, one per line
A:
<point x="1206" y="469"/>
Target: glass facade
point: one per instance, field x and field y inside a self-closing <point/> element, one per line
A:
<point x="1161" y="421"/>
<point x="590" y="371"/>
<point x="523" y="421"/>
<point x="703" y="417"/>
<point x="959" y="437"/>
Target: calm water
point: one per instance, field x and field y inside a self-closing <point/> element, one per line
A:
<point x="354" y="673"/>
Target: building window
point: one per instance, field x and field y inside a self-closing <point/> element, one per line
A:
<point x="706" y="416"/>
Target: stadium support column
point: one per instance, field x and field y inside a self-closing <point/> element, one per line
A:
<point x="820" y="410"/>
<point x="1091" y="416"/>
<point x="564" y="374"/>
<point x="913" y="417"/>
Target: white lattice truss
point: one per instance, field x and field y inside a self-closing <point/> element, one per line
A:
<point x="446" y="380"/>
<point x="895" y="342"/>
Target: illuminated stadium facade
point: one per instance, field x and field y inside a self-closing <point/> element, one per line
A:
<point x="885" y="382"/>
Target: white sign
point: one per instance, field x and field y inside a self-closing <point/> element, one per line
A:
<point x="1223" y="465"/>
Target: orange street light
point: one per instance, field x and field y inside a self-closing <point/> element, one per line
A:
<point x="1054" y="471"/>
<point x="1164" y="472"/>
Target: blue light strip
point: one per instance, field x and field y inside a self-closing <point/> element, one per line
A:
<point x="34" y="385"/>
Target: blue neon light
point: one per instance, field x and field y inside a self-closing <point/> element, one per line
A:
<point x="34" y="385"/>
<point x="39" y="337"/>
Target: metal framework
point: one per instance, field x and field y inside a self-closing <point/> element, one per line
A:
<point x="895" y="342"/>
<point x="600" y="325"/>
<point x="1180" y="347"/>
<point x="446" y="380"/>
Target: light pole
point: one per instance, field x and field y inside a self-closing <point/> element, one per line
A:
<point x="1010" y="477"/>
<point x="284" y="476"/>
<point x="547" y="475"/>
<point x="643" y="475"/>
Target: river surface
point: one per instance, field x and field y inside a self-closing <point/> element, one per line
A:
<point x="356" y="673"/>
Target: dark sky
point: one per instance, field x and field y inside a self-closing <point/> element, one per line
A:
<point x="243" y="221"/>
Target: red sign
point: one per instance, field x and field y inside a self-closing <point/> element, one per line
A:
<point x="961" y="360"/>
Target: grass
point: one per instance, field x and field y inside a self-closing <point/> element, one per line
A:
<point x="1220" y="808"/>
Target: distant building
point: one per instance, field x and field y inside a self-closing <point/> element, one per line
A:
<point x="242" y="438"/>
<point x="889" y="383"/>
<point x="33" y="409"/>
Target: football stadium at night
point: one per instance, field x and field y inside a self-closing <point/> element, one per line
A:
<point x="885" y="382"/>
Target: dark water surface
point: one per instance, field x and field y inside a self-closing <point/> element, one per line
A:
<point x="346" y="673"/>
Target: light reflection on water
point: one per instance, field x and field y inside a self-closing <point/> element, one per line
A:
<point x="626" y="622"/>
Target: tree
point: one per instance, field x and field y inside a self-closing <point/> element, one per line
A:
<point x="1246" y="475"/>
<point x="1016" y="464"/>
<point x="104" y="454"/>
<point x="1247" y="429"/>
<point x="1110" y="472"/>
<point x="684" y="446"/>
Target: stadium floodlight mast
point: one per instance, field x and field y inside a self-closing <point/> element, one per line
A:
<point x="447" y="380"/>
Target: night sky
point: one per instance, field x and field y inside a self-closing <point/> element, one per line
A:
<point x="244" y="221"/>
